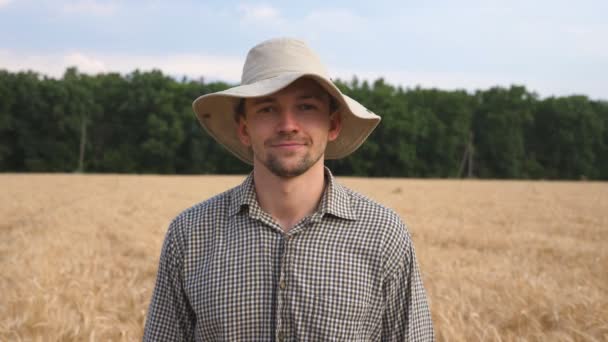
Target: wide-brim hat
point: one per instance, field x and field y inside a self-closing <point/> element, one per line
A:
<point x="271" y="66"/>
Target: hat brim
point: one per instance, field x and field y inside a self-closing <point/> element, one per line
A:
<point x="216" y="113"/>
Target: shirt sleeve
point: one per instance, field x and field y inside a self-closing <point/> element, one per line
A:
<point x="169" y="317"/>
<point x="407" y="315"/>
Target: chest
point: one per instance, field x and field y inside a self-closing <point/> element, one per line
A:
<point x="253" y="275"/>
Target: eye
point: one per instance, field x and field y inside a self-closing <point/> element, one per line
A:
<point x="266" y="109"/>
<point x="306" y="106"/>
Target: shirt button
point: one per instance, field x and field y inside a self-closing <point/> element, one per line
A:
<point x="280" y="336"/>
<point x="282" y="284"/>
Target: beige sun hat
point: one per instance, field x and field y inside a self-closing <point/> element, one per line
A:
<point x="271" y="66"/>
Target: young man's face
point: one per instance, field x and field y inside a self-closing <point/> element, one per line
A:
<point x="289" y="130"/>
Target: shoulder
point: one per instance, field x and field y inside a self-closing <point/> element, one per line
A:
<point x="192" y="221"/>
<point x="370" y="211"/>
<point x="207" y="209"/>
<point x="385" y="223"/>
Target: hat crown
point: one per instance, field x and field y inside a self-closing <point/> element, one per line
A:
<point x="280" y="56"/>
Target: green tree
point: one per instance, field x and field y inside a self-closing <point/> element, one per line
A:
<point x="601" y="147"/>
<point x="442" y="125"/>
<point x="8" y="133"/>
<point x="567" y="132"/>
<point x="499" y="126"/>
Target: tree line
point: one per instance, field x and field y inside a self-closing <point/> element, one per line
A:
<point x="143" y="122"/>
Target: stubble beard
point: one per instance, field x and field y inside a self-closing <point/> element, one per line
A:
<point x="281" y="168"/>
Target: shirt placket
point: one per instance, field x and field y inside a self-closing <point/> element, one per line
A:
<point x="285" y="326"/>
<point x="269" y="223"/>
<point x="283" y="332"/>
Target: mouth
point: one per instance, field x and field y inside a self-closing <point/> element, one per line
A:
<point x="288" y="145"/>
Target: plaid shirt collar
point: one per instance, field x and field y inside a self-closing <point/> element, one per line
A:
<point x="335" y="200"/>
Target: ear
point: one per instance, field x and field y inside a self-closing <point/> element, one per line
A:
<point x="335" y="125"/>
<point x="242" y="132"/>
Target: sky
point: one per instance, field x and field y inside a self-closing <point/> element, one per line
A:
<point x="554" y="48"/>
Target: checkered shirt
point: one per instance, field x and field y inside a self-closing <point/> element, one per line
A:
<point x="348" y="272"/>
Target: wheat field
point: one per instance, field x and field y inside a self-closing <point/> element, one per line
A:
<point x="501" y="260"/>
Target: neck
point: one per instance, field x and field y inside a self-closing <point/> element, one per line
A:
<point x="289" y="200"/>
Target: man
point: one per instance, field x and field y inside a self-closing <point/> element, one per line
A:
<point x="289" y="255"/>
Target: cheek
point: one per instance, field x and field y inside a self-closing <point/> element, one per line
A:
<point x="321" y="126"/>
<point x="259" y="133"/>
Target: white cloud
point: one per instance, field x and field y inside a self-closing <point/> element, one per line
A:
<point x="225" y="68"/>
<point x="84" y="62"/>
<point x="316" y="25"/>
<point x="586" y="39"/>
<point x="334" y="20"/>
<point x="260" y="13"/>
<point x="4" y="3"/>
<point x="92" y="7"/>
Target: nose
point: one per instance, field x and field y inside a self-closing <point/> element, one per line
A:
<point x="288" y="122"/>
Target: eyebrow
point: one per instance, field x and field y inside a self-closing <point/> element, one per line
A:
<point x="264" y="100"/>
<point x="311" y="96"/>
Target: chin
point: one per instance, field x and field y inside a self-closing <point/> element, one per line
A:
<point x="285" y="172"/>
<point x="288" y="170"/>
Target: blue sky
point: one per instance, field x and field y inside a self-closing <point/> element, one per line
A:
<point x="552" y="47"/>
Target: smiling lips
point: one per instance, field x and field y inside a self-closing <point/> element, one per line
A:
<point x="287" y="144"/>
